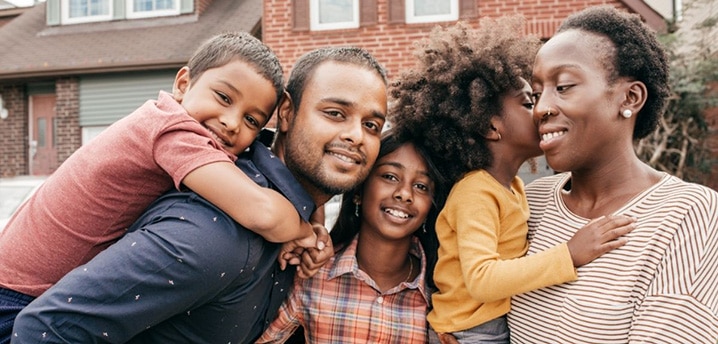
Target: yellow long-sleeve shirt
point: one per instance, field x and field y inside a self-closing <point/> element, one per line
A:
<point x="482" y="234"/>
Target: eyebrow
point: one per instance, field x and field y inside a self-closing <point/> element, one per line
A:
<point x="566" y="66"/>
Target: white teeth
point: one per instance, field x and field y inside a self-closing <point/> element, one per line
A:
<point x="549" y="136"/>
<point x="343" y="157"/>
<point x="397" y="213"/>
<point x="218" y="139"/>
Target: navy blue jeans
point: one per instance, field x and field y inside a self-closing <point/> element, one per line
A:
<point x="11" y="303"/>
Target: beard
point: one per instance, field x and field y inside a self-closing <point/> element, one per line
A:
<point x="309" y="168"/>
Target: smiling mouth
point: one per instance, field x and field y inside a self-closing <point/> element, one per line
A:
<point x="397" y="213"/>
<point x="344" y="158"/>
<point x="552" y="135"/>
<point x="219" y="139"/>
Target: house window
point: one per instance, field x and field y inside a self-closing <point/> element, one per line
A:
<point x="83" y="11"/>
<point x="426" y="11"/>
<point x="152" y="8"/>
<point x="334" y="14"/>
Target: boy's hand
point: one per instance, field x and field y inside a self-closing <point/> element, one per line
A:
<point x="314" y="258"/>
<point x="598" y="237"/>
<point x="292" y="250"/>
<point x="309" y="259"/>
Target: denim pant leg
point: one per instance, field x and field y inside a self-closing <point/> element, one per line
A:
<point x="492" y="332"/>
<point x="11" y="303"/>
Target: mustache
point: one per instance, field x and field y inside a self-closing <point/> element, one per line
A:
<point x="349" y="148"/>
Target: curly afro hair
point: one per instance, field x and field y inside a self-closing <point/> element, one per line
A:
<point x="447" y="100"/>
<point x="636" y="54"/>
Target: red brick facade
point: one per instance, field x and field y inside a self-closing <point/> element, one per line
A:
<point x="14" y="129"/>
<point x="286" y="32"/>
<point x="67" y="112"/>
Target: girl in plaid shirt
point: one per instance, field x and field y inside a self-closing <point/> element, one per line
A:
<point x="374" y="289"/>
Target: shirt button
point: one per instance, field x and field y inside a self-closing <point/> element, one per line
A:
<point x="379" y="300"/>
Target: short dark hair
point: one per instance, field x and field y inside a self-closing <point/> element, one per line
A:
<point x="306" y="64"/>
<point x="227" y="47"/>
<point x="348" y="224"/>
<point x="447" y="101"/>
<point x="637" y="54"/>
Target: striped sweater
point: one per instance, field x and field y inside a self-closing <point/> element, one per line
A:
<point x="661" y="287"/>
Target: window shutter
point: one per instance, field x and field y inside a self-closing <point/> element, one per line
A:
<point x="186" y="6"/>
<point x="52" y="13"/>
<point x="300" y="14"/>
<point x="396" y="11"/>
<point x="467" y="9"/>
<point x="367" y="13"/>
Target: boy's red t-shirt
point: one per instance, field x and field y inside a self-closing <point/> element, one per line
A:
<point x="100" y="190"/>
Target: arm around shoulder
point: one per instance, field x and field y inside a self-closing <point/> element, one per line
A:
<point x="261" y="210"/>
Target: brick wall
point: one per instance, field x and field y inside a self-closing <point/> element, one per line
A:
<point x="69" y="134"/>
<point x="392" y="43"/>
<point x="14" y="129"/>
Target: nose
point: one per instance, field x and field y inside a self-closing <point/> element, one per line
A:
<point x="353" y="131"/>
<point x="231" y="121"/>
<point x="543" y="108"/>
<point x="403" y="193"/>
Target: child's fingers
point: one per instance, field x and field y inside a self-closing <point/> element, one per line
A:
<point x="613" y="244"/>
<point x="307" y="242"/>
<point x="306" y="271"/>
<point x="322" y="236"/>
<point x="617" y="226"/>
<point x="615" y="233"/>
<point x="282" y="262"/>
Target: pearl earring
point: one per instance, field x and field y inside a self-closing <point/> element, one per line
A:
<point x="627" y="113"/>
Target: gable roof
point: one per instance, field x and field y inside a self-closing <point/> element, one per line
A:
<point x="31" y="49"/>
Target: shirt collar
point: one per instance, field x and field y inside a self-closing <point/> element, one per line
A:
<point x="345" y="262"/>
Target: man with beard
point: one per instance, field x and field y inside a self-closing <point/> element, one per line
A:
<point x="187" y="273"/>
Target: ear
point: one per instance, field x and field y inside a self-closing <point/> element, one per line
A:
<point x="181" y="84"/>
<point x="494" y="134"/>
<point x="285" y="111"/>
<point x="635" y="96"/>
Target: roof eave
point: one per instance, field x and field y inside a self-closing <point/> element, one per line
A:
<point x="24" y="76"/>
